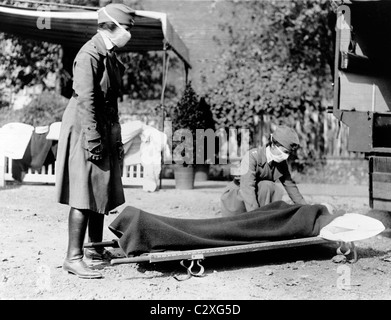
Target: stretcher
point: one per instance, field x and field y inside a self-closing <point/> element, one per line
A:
<point x="191" y="259"/>
<point x="145" y="237"/>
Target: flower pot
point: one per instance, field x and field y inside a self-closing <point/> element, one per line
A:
<point x="184" y="177"/>
<point x="202" y="172"/>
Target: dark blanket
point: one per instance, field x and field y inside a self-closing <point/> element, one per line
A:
<point x="142" y="232"/>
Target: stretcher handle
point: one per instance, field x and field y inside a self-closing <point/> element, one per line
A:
<point x="130" y="260"/>
<point x="112" y="243"/>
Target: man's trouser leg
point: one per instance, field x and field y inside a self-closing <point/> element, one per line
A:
<point x="230" y="201"/>
<point x="268" y="192"/>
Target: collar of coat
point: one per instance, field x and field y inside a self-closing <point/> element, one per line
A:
<point x="282" y="167"/>
<point x="261" y="154"/>
<point x="100" y="46"/>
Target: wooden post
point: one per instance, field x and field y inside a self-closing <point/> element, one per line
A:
<point x="164" y="83"/>
<point x="2" y="169"/>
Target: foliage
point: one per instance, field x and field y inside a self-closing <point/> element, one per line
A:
<point x="44" y="109"/>
<point x="8" y="115"/>
<point x="143" y="75"/>
<point x="190" y="113"/>
<point x="277" y="64"/>
<point x="26" y="63"/>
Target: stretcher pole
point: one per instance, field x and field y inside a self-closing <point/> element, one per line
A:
<point x="199" y="254"/>
<point x="112" y="243"/>
<point x="164" y="84"/>
<point x="2" y="169"/>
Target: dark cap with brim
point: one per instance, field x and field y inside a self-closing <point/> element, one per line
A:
<point x="118" y="11"/>
<point x="287" y="137"/>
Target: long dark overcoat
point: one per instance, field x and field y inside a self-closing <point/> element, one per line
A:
<point x="92" y="113"/>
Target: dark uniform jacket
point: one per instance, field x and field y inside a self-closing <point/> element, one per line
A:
<point x="91" y="115"/>
<point x="255" y="169"/>
<point x="241" y="194"/>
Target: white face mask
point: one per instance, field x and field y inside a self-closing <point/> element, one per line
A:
<point x="279" y="156"/>
<point x="120" y="37"/>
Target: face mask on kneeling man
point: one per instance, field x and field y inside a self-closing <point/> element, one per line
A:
<point x="277" y="155"/>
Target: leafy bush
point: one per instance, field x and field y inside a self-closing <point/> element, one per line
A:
<point x="143" y="75"/>
<point x="25" y="62"/>
<point x="44" y="109"/>
<point x="190" y="113"/>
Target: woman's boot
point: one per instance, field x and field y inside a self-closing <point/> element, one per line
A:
<point x="74" y="263"/>
<point x="95" y="234"/>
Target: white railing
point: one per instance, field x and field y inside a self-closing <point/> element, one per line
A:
<point x="132" y="175"/>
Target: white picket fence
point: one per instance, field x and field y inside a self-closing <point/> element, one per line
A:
<point x="131" y="176"/>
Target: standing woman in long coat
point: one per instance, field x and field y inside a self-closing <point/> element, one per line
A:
<point x="88" y="174"/>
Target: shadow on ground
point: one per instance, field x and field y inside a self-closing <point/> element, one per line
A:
<point x="10" y="186"/>
<point x="383" y="216"/>
<point x="308" y="254"/>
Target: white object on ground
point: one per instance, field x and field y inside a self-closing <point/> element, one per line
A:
<point x="351" y="227"/>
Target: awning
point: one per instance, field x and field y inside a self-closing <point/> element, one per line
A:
<point x="152" y="30"/>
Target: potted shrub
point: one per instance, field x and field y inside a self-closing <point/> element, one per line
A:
<point x="202" y="169"/>
<point x="188" y="115"/>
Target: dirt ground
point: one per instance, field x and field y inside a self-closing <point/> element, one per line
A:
<point x="33" y="242"/>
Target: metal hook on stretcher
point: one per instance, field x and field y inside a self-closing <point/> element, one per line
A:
<point x="349" y="246"/>
<point x="190" y="273"/>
